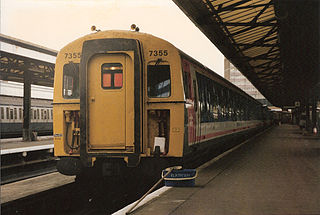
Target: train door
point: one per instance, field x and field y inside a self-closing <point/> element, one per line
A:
<point x="191" y="93"/>
<point x="108" y="99"/>
<point x="196" y="107"/>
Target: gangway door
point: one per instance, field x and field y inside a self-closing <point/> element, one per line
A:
<point x="107" y="80"/>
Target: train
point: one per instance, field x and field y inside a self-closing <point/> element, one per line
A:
<point x="126" y="100"/>
<point x="11" y="116"/>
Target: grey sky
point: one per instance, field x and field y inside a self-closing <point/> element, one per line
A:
<point x="55" y="23"/>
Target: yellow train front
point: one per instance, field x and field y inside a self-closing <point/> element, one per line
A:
<point x="126" y="99"/>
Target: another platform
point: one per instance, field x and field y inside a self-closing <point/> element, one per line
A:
<point x="16" y="145"/>
<point x="275" y="173"/>
<point x="20" y="189"/>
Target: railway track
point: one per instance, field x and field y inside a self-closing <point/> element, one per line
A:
<point x="47" y="202"/>
<point x="95" y="197"/>
<point x="18" y="172"/>
<point x="20" y="166"/>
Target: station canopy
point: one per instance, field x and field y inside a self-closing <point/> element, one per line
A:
<point x="15" y="67"/>
<point x="274" y="43"/>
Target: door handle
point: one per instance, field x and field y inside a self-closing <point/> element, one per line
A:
<point x="92" y="99"/>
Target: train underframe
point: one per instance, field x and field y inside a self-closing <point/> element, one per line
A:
<point x="150" y="168"/>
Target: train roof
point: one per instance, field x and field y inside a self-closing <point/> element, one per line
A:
<point x="18" y="101"/>
<point x="141" y="36"/>
<point x="222" y="79"/>
<point x="116" y="34"/>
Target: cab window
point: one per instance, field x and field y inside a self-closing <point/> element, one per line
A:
<point x="111" y="76"/>
<point x="159" y="81"/>
<point x="71" y="81"/>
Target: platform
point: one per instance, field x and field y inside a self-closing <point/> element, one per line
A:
<point x="275" y="173"/>
<point x="16" y="145"/>
<point x="20" y="189"/>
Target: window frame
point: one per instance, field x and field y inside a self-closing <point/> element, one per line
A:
<point x="75" y="75"/>
<point x="20" y="113"/>
<point x="2" y="113"/>
<point x="163" y="63"/>
<point x="112" y="73"/>
<point x="15" y="113"/>
<point x="7" y="112"/>
<point x="11" y="113"/>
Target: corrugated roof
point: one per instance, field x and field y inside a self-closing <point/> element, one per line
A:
<point x="248" y="33"/>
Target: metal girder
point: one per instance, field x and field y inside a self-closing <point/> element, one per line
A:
<point x="230" y="7"/>
<point x="14" y="66"/>
<point x="241" y="7"/>
<point x="27" y="45"/>
<point x="268" y="69"/>
<point x="274" y="43"/>
<point x="263" y="42"/>
<point x="252" y="26"/>
<point x="236" y="24"/>
<point x="228" y="32"/>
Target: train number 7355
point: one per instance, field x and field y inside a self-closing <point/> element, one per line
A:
<point x="158" y="53"/>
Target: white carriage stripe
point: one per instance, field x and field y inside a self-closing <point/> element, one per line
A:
<point x="26" y="149"/>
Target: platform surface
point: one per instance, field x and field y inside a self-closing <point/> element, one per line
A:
<point x="16" y="145"/>
<point x="20" y="189"/>
<point x="275" y="173"/>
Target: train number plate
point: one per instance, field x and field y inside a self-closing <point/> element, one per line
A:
<point x="159" y="52"/>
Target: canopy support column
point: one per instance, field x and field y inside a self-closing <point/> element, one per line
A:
<point x="26" y="106"/>
<point x="308" y="127"/>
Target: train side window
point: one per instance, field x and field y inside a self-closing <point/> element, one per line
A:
<point x="238" y="108"/>
<point x="38" y="114"/>
<point x="11" y="113"/>
<point x="20" y="113"/>
<point x="227" y="105"/>
<point x="219" y="105"/>
<point x="158" y="81"/>
<point x="195" y="96"/>
<point x="7" y="112"/>
<point x="111" y="76"/>
<point x="42" y="114"/>
<point x="35" y="114"/>
<point x="211" y="101"/>
<point x="71" y="81"/>
<point x="51" y="114"/>
<point x="31" y="114"/>
<point x="47" y="113"/>
<point x="187" y="84"/>
<point x="215" y="104"/>
<point x="15" y="113"/>
<point x="2" y="113"/>
<point x="201" y="92"/>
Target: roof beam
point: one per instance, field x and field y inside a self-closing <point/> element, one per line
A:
<point x="230" y="7"/>
<point x="27" y="45"/>
<point x="269" y="68"/>
<point x="237" y="24"/>
<point x="254" y="20"/>
<point x="253" y="25"/>
<point x="14" y="66"/>
<point x="221" y="9"/>
<point x="256" y="45"/>
<point x="264" y="39"/>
